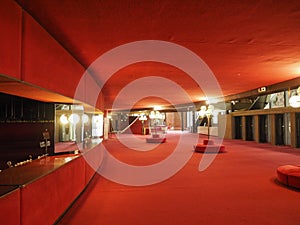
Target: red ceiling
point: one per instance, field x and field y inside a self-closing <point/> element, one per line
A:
<point x="246" y="44"/>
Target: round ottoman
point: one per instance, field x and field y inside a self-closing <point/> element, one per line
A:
<point x="289" y="175"/>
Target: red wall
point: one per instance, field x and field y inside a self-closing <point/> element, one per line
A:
<point x="43" y="201"/>
<point x="10" y="208"/>
<point x="93" y="159"/>
<point x="136" y="127"/>
<point x="10" y="38"/>
<point x="45" y="63"/>
<point x="29" y="53"/>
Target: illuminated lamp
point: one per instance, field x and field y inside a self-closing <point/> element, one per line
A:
<point x="74" y="118"/>
<point x="152" y="115"/>
<point x="207" y="112"/>
<point x="295" y="100"/>
<point x="85" y="118"/>
<point x="143" y="118"/>
<point x="63" y="119"/>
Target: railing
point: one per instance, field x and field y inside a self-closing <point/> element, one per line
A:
<point x="126" y="128"/>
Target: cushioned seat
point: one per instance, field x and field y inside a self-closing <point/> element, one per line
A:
<point x="155" y="140"/>
<point x="208" y="146"/>
<point x="289" y="175"/>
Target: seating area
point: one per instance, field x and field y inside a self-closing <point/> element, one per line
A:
<point x="289" y="175"/>
<point x="208" y="146"/>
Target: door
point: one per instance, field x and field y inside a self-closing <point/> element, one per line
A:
<point x="249" y="128"/>
<point x="263" y="128"/>
<point x="238" y="127"/>
<point x="279" y="129"/>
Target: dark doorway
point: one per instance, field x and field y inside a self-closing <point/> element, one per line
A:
<point x="238" y="127"/>
<point x="263" y="128"/>
<point x="297" y="130"/>
<point x="279" y="129"/>
<point x="249" y="128"/>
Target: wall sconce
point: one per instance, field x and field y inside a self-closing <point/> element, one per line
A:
<point x="85" y="118"/>
<point x="295" y="100"/>
<point x="74" y="118"/>
<point x="63" y="119"/>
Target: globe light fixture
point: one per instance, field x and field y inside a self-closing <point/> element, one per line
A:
<point x="85" y="118"/>
<point x="143" y="118"/>
<point x="74" y="118"/>
<point x="63" y="119"/>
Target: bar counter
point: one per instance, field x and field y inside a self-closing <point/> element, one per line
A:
<point x="31" y="171"/>
<point x="7" y="189"/>
<point x="39" y="192"/>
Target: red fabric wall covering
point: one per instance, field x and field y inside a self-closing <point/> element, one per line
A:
<point x="89" y="92"/>
<point x="10" y="208"/>
<point x="136" y="127"/>
<point x="10" y="38"/>
<point x="43" y="201"/>
<point x="30" y="54"/>
<point x="93" y="159"/>
<point x="46" y="63"/>
<point x="89" y="173"/>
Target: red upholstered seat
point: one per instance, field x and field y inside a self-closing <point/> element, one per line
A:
<point x="289" y="175"/>
<point x="208" y="142"/>
<point x="208" y="146"/>
<point x="155" y="140"/>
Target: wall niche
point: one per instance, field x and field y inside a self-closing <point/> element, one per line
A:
<point x="22" y="123"/>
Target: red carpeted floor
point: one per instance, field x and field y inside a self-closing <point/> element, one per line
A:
<point x="239" y="187"/>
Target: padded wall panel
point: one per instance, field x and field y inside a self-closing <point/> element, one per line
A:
<point x="43" y="201"/>
<point x="46" y="63"/>
<point x="89" y="173"/>
<point x="89" y="92"/>
<point x="10" y="38"/>
<point x="10" y="208"/>
<point x="93" y="159"/>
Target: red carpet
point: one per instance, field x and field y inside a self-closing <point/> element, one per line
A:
<point x="239" y="187"/>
